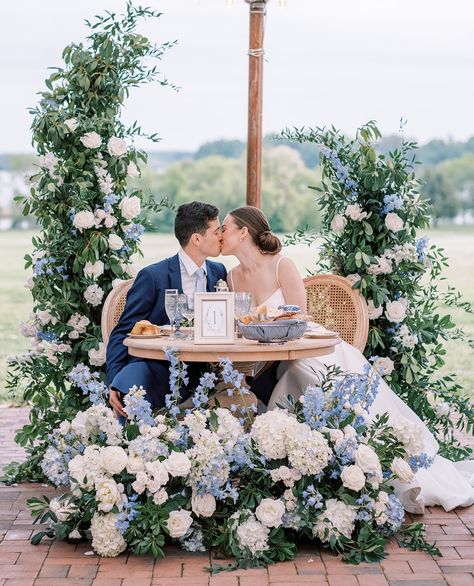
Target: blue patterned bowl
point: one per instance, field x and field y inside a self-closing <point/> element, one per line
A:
<point x="277" y="331"/>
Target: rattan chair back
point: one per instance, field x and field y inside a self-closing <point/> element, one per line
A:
<point x="113" y="308"/>
<point x="333" y="303"/>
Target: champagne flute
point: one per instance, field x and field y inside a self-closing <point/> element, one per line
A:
<point x="171" y="308"/>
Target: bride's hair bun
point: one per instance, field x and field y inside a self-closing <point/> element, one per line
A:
<point x="258" y="227"/>
<point x="268" y="242"/>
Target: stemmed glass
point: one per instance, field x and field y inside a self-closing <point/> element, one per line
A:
<point x="178" y="334"/>
<point x="186" y="306"/>
<point x="171" y="308"/>
<point x="242" y="303"/>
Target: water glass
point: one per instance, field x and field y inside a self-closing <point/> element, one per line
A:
<point x="171" y="308"/>
<point x="187" y="310"/>
<point x="181" y="301"/>
<point x="242" y="303"/>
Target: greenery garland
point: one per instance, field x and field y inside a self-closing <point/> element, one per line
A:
<point x="90" y="225"/>
<point x="372" y="212"/>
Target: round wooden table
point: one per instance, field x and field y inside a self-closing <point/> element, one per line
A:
<point x="243" y="350"/>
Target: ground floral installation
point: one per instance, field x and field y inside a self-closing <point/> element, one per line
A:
<point x="90" y="223"/>
<point x="247" y="485"/>
<point x="372" y="212"/>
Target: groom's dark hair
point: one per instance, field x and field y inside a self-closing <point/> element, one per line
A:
<point x="193" y="218"/>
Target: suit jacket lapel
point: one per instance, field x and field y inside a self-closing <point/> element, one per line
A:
<point x="174" y="272"/>
<point x="211" y="277"/>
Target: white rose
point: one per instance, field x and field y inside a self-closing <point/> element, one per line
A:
<point x="44" y="317"/>
<point x="93" y="270"/>
<point x="71" y="124"/>
<point x="110" y="221"/>
<point x="396" y="311"/>
<point x="113" y="459"/>
<point x="108" y="494"/>
<point x="83" y="220"/>
<point x="203" y="506"/>
<point x="97" y="357"/>
<point x="374" y="312"/>
<point x="130" y="268"/>
<point x="442" y="409"/>
<point x="64" y="427"/>
<point x="75" y="534"/>
<point x="270" y="511"/>
<point x="402" y="470"/>
<point x="384" y="365"/>
<point x="117" y="147"/>
<point x="130" y="207"/>
<point x="132" y="170"/>
<point x="159" y="474"/>
<point x="29" y="283"/>
<point x="160" y="497"/>
<point x="178" y="464"/>
<point x="393" y="222"/>
<point x="115" y="242"/>
<point x="355" y="212"/>
<point x="367" y="459"/>
<point x="353" y="478"/>
<point x="91" y="140"/>
<point x="63" y="509"/>
<point x="135" y="464"/>
<point x="338" y="223"/>
<point x="178" y="523"/>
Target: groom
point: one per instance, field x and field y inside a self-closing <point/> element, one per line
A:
<point x="198" y="231"/>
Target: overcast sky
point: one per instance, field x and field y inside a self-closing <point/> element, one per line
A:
<point x="339" y="62"/>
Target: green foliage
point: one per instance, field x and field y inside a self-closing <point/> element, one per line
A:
<point x="89" y="224"/>
<point x="372" y="210"/>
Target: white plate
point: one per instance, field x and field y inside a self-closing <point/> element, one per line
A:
<point x="163" y="334"/>
<point x="326" y="334"/>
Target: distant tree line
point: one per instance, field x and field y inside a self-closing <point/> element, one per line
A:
<point x="216" y="173"/>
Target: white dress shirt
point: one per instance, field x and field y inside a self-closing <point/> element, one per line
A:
<point x="188" y="269"/>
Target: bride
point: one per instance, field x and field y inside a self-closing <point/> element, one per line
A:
<point x="273" y="280"/>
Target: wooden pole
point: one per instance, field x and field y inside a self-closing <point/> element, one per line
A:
<point x="254" y="136"/>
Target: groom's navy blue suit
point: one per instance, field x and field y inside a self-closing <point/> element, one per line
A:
<point x="146" y="300"/>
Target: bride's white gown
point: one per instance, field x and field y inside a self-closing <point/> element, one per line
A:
<point x="445" y="483"/>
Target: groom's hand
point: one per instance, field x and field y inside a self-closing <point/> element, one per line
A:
<point x="116" y="403"/>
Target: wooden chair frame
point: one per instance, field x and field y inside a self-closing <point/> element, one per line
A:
<point x="113" y="308"/>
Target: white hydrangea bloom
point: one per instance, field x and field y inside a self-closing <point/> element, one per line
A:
<point x="337" y="519"/>
<point x="106" y="538"/>
<point x="253" y="535"/>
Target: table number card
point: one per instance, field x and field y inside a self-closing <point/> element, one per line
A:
<point x="214" y="318"/>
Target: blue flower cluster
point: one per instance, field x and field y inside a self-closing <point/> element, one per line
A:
<point x="148" y="448"/>
<point x="128" y="514"/>
<point x="392" y="202"/>
<point x="395" y="513"/>
<point x="366" y="505"/>
<point x="45" y="266"/>
<point x="313" y="409"/>
<point x="421" y="247"/>
<point x="137" y="406"/>
<point x="89" y="383"/>
<point x="178" y="377"/>
<point x="46" y="336"/>
<point x="193" y="540"/>
<point x="201" y="395"/>
<point x="55" y="464"/>
<point x="239" y="456"/>
<point x="312" y="498"/>
<point x="341" y="171"/>
<point x="133" y="232"/>
<point x="109" y="201"/>
<point x="420" y="461"/>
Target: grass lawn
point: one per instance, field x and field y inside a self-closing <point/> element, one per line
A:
<point x="15" y="300"/>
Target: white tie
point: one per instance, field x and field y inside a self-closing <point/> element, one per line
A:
<point x="201" y="283"/>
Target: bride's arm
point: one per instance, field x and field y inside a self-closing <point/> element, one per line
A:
<point x="291" y="283"/>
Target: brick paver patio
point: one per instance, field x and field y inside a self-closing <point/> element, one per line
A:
<point x="55" y="564"/>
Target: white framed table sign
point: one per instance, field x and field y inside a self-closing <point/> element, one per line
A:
<point x="214" y="318"/>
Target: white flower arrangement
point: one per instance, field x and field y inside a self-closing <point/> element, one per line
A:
<point x="272" y="473"/>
